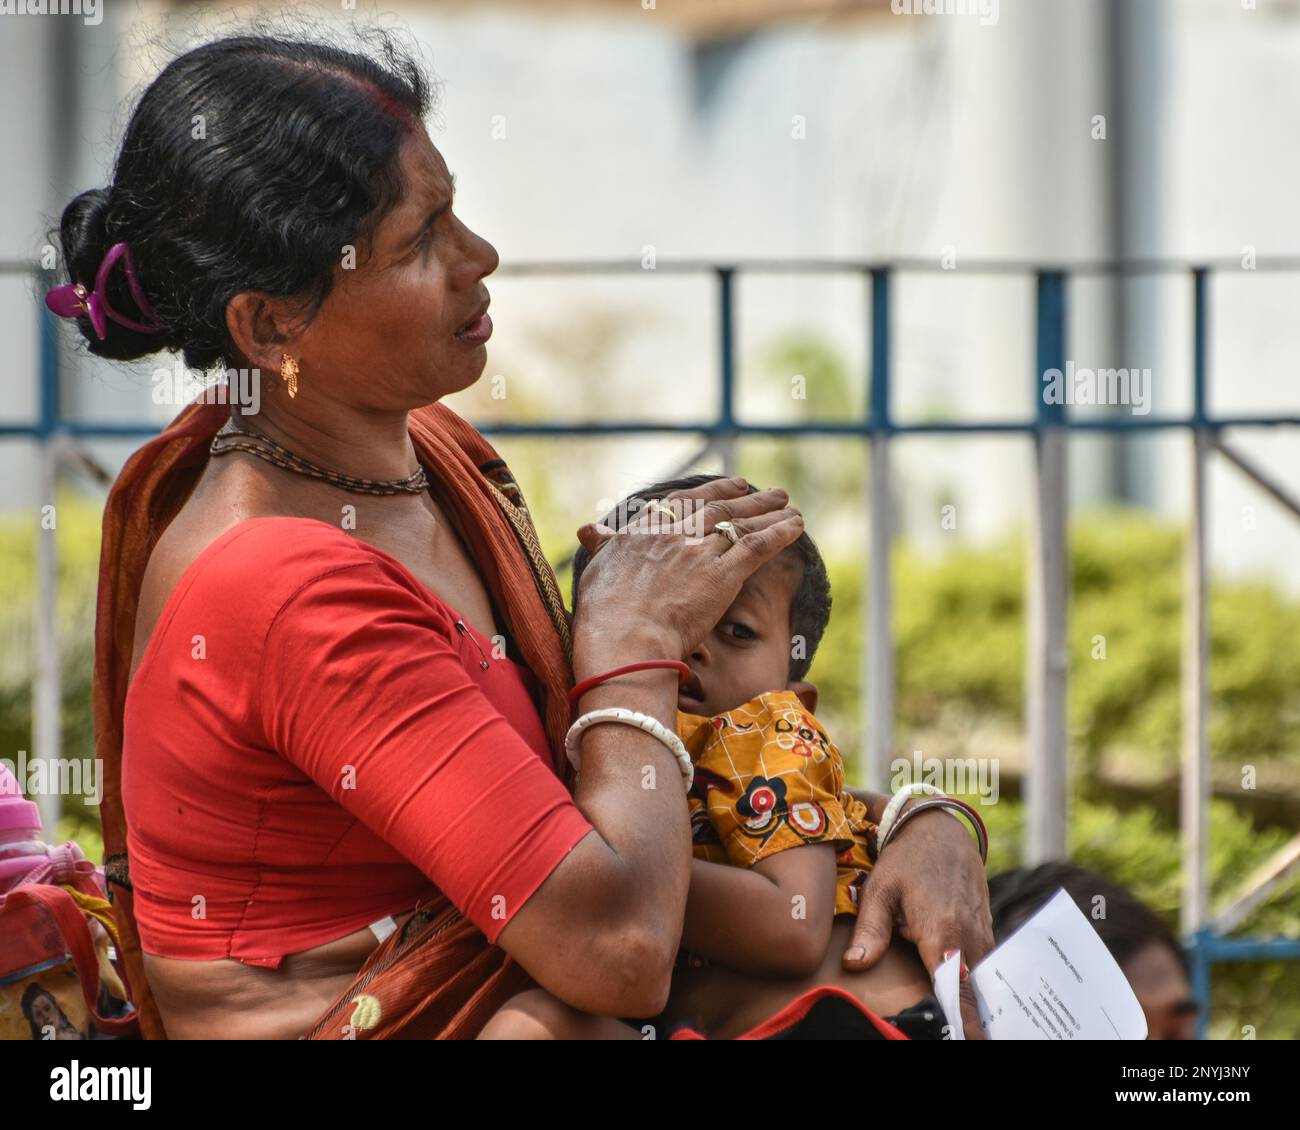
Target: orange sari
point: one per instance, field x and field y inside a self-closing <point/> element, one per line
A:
<point x="437" y="977"/>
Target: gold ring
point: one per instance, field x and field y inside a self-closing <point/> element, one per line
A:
<point x="728" y="529"/>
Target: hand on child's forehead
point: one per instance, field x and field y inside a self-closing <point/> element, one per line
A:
<point x="771" y="586"/>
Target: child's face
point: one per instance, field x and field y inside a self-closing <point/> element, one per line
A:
<point x="748" y="651"/>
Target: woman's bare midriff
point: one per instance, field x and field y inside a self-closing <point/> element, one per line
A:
<point x="228" y="1000"/>
<point x="723" y="1003"/>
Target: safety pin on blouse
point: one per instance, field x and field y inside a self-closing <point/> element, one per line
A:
<point x="464" y="631"/>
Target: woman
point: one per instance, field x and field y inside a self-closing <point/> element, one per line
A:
<point x="1154" y="964"/>
<point x="331" y="661"/>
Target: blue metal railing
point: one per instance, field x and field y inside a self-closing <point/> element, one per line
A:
<point x="876" y="422"/>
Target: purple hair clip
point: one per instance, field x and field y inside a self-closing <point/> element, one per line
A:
<point x="73" y="300"/>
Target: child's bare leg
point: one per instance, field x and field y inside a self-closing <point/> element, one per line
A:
<point x="536" y="1015"/>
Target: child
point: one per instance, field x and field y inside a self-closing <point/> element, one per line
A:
<point x="769" y="805"/>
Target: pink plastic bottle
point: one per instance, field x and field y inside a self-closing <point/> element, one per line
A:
<point x="21" y="847"/>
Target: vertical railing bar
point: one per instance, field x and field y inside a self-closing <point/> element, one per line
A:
<point x="878" y="635"/>
<point x="1195" y="796"/>
<point x="1199" y="390"/>
<point x="727" y="368"/>
<point x="47" y="688"/>
<point x="1047" y="655"/>
<point x="879" y="410"/>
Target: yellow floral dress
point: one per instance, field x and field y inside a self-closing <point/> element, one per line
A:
<point x="767" y="778"/>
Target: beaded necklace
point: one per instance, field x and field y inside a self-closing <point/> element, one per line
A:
<point x="231" y="438"/>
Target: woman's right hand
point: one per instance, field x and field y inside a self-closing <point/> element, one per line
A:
<point x="602" y="931"/>
<point x="671" y="582"/>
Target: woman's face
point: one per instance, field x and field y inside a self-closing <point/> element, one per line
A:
<point x="1162" y="989"/>
<point x="391" y="335"/>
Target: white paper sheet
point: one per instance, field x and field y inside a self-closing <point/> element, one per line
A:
<point x="1053" y="979"/>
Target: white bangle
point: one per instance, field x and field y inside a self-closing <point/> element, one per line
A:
<point x="895" y="806"/>
<point x="573" y="739"/>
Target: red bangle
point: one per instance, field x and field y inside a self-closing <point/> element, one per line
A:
<point x="645" y="665"/>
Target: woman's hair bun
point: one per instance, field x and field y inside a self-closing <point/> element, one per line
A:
<point x="84" y="234"/>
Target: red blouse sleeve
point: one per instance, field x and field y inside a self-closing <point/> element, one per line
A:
<point x="362" y="689"/>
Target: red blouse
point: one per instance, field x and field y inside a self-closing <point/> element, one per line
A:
<point x="310" y="744"/>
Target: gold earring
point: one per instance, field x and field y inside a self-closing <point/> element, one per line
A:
<point x="289" y="373"/>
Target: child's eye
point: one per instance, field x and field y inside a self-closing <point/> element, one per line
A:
<point x="740" y="631"/>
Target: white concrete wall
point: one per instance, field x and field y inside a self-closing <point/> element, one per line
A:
<point x="920" y="133"/>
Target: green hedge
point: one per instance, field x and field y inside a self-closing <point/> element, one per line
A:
<point x="960" y="635"/>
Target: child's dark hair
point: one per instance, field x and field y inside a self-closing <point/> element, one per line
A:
<point x="250" y="163"/>
<point x="810" y="608"/>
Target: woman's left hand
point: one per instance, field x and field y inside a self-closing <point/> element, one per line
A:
<point x="929" y="883"/>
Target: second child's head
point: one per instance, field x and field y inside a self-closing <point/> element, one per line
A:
<point x="767" y="638"/>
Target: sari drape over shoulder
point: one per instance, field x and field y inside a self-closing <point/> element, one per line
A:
<point x="437" y="977"/>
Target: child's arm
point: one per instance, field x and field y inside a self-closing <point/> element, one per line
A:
<point x="773" y="919"/>
<point x="875" y="802"/>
